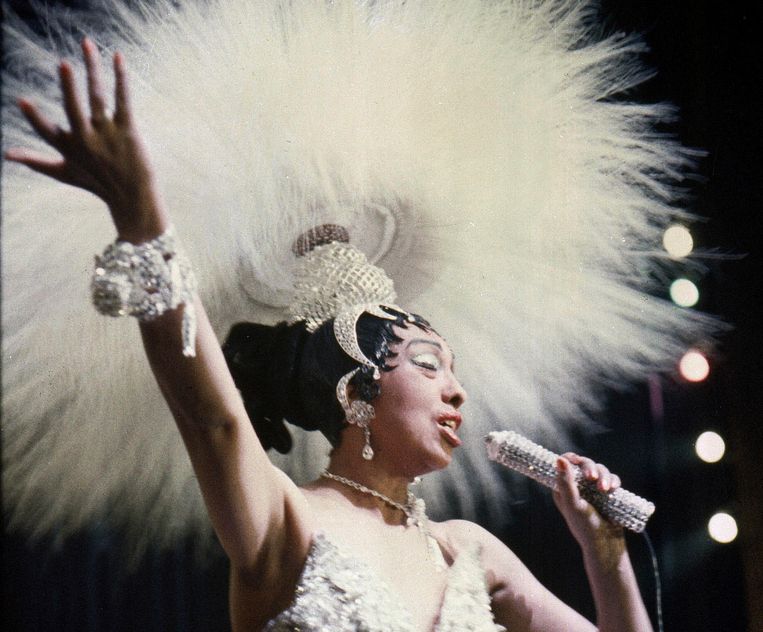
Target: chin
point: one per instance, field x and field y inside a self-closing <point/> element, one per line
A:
<point x="443" y="458"/>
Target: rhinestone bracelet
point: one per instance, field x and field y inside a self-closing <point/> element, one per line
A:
<point x="146" y="280"/>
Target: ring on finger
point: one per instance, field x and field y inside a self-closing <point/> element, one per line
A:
<point x="103" y="117"/>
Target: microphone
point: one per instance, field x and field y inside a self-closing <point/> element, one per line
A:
<point x="514" y="451"/>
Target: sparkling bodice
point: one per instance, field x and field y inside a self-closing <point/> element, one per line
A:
<point x="340" y="593"/>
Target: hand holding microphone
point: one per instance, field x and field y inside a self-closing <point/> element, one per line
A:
<point x="619" y="506"/>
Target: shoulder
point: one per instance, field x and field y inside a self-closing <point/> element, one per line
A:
<point x="518" y="599"/>
<point x="498" y="560"/>
<point x="462" y="534"/>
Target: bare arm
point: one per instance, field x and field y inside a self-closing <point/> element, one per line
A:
<point x="522" y="603"/>
<point x="254" y="508"/>
<point x="619" y="606"/>
<point x="518" y="600"/>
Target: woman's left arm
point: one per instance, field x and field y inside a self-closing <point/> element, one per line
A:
<point x="521" y="603"/>
<point x="619" y="606"/>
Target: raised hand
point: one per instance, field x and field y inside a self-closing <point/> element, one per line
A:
<point x="102" y="153"/>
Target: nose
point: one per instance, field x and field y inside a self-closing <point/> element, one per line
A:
<point x="453" y="393"/>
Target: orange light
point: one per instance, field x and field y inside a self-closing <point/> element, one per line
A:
<point x="694" y="366"/>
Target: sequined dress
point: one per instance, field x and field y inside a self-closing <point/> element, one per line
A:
<point x="339" y="593"/>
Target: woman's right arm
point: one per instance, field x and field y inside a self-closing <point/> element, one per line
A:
<point x="254" y="508"/>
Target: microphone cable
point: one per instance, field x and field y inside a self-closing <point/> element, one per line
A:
<point x="657" y="580"/>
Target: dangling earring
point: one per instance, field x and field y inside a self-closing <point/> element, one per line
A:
<point x="358" y="412"/>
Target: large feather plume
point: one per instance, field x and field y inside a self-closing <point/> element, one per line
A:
<point x="481" y="152"/>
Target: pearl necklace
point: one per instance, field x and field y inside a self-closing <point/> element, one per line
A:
<point x="414" y="508"/>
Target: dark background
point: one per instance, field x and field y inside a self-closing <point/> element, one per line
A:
<point x="709" y="59"/>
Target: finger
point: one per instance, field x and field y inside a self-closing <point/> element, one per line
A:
<point x="94" y="81"/>
<point x="71" y="100"/>
<point x="615" y="482"/>
<point x="566" y="485"/>
<point x="48" y="131"/>
<point x="57" y="169"/>
<point x="605" y="477"/>
<point x="586" y="465"/>
<point x="53" y="167"/>
<point x="122" y="112"/>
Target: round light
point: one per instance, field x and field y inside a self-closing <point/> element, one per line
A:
<point x="710" y="447"/>
<point x="684" y="293"/>
<point x="722" y="528"/>
<point x="677" y="241"/>
<point x="694" y="366"/>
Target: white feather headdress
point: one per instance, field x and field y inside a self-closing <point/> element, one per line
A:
<point x="481" y="152"/>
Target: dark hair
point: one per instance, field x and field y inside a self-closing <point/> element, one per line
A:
<point x="285" y="373"/>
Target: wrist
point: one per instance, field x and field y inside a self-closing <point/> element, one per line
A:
<point x="146" y="280"/>
<point x="607" y="551"/>
<point x="143" y="232"/>
<point x="139" y="217"/>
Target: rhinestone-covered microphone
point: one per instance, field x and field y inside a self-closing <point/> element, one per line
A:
<point x="620" y="507"/>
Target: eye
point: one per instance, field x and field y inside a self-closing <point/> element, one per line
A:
<point x="427" y="361"/>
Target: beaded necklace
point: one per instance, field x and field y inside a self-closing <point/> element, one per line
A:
<point x="414" y="510"/>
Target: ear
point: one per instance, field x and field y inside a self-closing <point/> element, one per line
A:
<point x="352" y="393"/>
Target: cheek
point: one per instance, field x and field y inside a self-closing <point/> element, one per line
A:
<point x="404" y="394"/>
<point x="403" y="411"/>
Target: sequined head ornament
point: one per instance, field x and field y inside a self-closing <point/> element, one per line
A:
<point x="333" y="279"/>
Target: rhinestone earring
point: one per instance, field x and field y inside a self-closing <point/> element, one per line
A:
<point x="358" y="412"/>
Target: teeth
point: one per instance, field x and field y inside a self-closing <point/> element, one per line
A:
<point x="450" y="423"/>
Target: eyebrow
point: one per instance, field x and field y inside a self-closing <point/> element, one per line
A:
<point x="426" y="341"/>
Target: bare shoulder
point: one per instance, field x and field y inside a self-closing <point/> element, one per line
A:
<point x="498" y="560"/>
<point x="462" y="532"/>
<point x="518" y="600"/>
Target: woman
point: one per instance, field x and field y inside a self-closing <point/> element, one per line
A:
<point x="318" y="557"/>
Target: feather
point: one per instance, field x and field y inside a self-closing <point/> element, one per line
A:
<point x="483" y="153"/>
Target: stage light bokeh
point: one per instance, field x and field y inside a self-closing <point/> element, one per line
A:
<point x="694" y="366"/>
<point x="710" y="447"/>
<point x="722" y="528"/>
<point x="678" y="241"/>
<point x="684" y="293"/>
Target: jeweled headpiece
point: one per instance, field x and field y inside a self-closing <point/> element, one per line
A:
<point x="333" y="279"/>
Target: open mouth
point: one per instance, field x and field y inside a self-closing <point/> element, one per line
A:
<point x="448" y="426"/>
<point x="449" y="423"/>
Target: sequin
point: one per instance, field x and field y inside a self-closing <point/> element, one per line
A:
<point x="339" y="593"/>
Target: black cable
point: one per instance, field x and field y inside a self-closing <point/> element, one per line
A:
<point x="657" y="581"/>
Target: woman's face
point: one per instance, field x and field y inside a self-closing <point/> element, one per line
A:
<point x="417" y="410"/>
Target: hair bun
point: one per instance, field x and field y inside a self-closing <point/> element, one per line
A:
<point x="263" y="360"/>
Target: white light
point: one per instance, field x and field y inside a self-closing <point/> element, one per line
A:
<point x="677" y="241"/>
<point x="722" y="528"/>
<point x="710" y="447"/>
<point x="694" y="366"/>
<point x="684" y="293"/>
